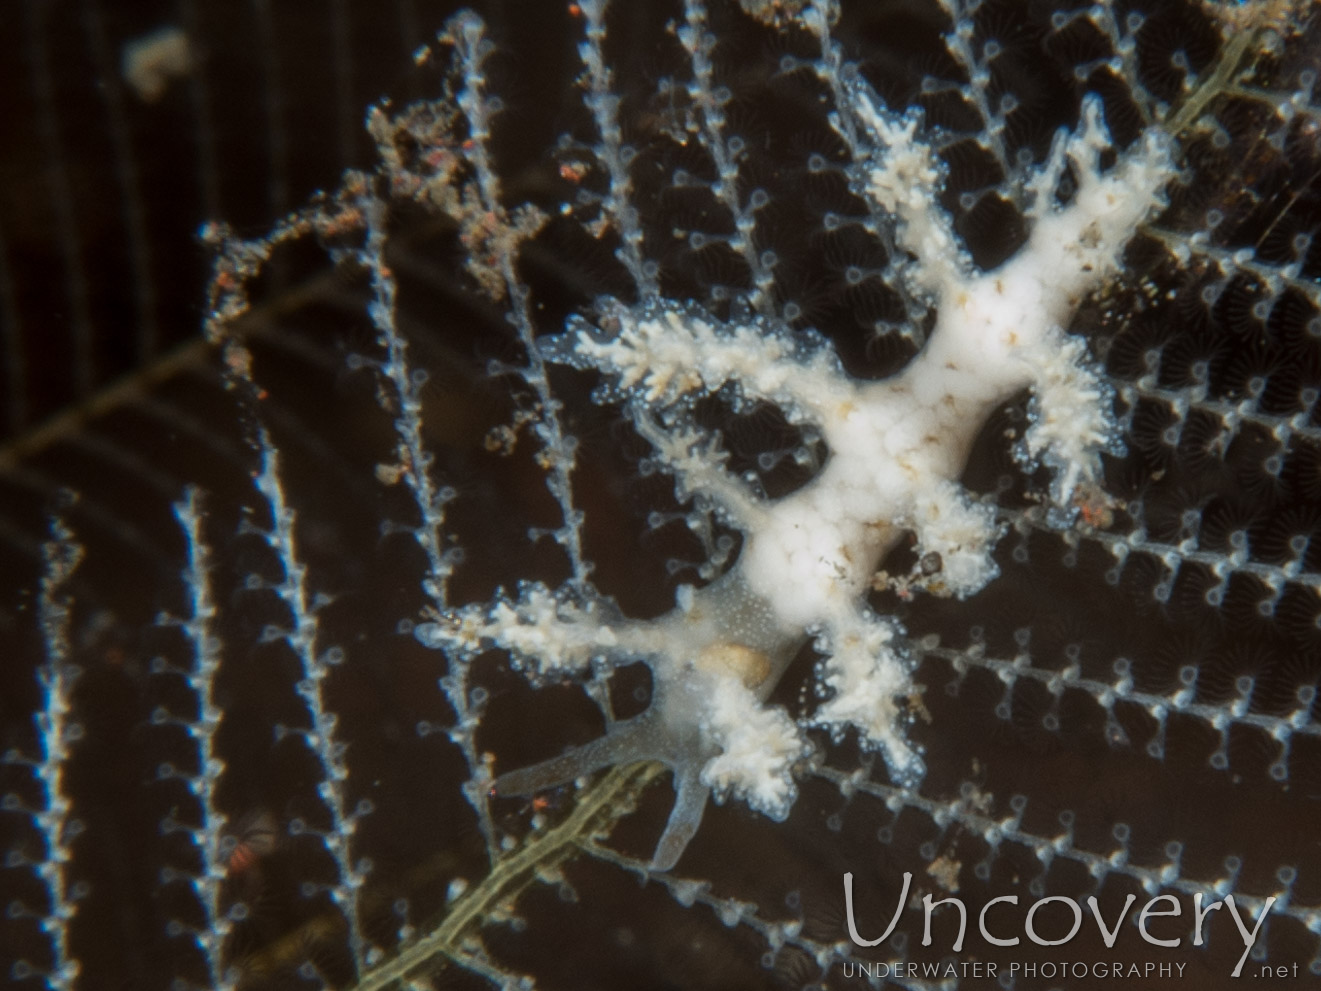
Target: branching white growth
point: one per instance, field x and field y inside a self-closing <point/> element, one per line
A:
<point x="664" y="353"/>
<point x="758" y="748"/>
<point x="897" y="450"/>
<point x="865" y="676"/>
<point x="958" y="532"/>
<point x="1069" y="426"/>
<point x="544" y="632"/>
<point x="697" y="462"/>
<point x="905" y="181"/>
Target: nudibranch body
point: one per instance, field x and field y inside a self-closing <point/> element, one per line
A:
<point x="896" y="451"/>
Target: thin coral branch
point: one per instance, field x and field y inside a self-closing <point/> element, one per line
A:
<point x="612" y="152"/>
<point x="315" y="668"/>
<point x="596" y="810"/>
<point x="52" y="817"/>
<point x="200" y="629"/>
<point x="1221" y="565"/>
<point x="414" y="466"/>
<point x="1222" y="718"/>
<point x="726" y="150"/>
<point x="58" y="733"/>
<point x="467" y="33"/>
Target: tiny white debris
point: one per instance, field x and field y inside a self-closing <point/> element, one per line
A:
<point x="155" y="60"/>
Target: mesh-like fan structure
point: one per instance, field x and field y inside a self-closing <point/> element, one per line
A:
<point x="1130" y="707"/>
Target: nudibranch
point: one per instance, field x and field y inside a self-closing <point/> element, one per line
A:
<point x="896" y="451"/>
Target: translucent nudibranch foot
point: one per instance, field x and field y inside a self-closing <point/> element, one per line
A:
<point x="625" y="743"/>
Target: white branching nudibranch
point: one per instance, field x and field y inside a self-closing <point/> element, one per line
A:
<point x="897" y="448"/>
